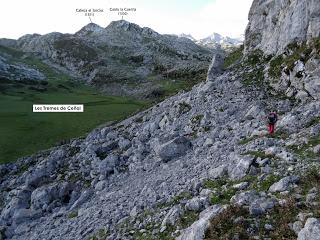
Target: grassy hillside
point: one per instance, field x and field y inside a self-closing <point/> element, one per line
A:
<point x="24" y="132"/>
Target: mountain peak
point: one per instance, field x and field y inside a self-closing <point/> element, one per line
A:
<point x="189" y="36"/>
<point x="216" y="36"/>
<point x="124" y="25"/>
<point x="90" y="28"/>
<point x="215" y="40"/>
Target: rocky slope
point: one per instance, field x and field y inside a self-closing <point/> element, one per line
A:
<point x="199" y="165"/>
<point x="18" y="72"/>
<point x="15" y="73"/>
<point x="121" y="59"/>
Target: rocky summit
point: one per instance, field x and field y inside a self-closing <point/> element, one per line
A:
<point x="199" y="165"/>
<point x="121" y="59"/>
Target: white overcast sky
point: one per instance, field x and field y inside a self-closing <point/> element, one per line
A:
<point x="199" y="18"/>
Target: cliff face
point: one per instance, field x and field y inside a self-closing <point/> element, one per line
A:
<point x="273" y="24"/>
<point x="289" y="30"/>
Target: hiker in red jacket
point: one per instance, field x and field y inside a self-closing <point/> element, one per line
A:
<point x="272" y="120"/>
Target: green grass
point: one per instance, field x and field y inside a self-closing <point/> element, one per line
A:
<point x="24" y="132"/>
<point x="224" y="195"/>
<point x="224" y="226"/>
<point x="100" y="234"/>
<point x="298" y="51"/>
<point x="256" y="77"/>
<point x="173" y="86"/>
<point x="266" y="183"/>
<point x="233" y="57"/>
<point x="73" y="214"/>
<point x="254" y="58"/>
<point x="196" y="120"/>
<point x="276" y="67"/>
<point x="310" y="180"/>
<point x="188" y="218"/>
<point x="184" y="107"/>
<point x="247" y="140"/>
<point x="304" y="151"/>
<point x="213" y="184"/>
<point x="313" y="122"/>
<point x="260" y="154"/>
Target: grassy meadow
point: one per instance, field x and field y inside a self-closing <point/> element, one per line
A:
<point x="23" y="132"/>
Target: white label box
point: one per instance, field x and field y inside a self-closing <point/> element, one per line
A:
<point x="58" y="108"/>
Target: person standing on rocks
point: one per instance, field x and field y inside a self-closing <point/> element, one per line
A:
<point x="272" y="120"/>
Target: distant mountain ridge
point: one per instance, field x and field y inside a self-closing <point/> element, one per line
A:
<point x="121" y="59"/>
<point x="215" y="41"/>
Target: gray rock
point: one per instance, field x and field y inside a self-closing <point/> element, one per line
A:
<point x="37" y="177"/>
<point x="196" y="204"/>
<point x="134" y="212"/>
<point x="284" y="184"/>
<point x="241" y="186"/>
<point x="172" y="216"/>
<point x="197" y="230"/>
<point x="261" y="205"/>
<point x="311" y="197"/>
<point x="316" y="149"/>
<point x="218" y="172"/>
<point x="205" y="192"/>
<point x="124" y="144"/>
<point x="107" y="166"/>
<point x="19" y="72"/>
<point x="216" y="65"/>
<point x="43" y="196"/>
<point x="82" y="199"/>
<point x="23" y="215"/>
<point x="19" y="200"/>
<point x="311" y="230"/>
<point x="268" y="227"/>
<point x="174" y="148"/>
<point x="245" y="198"/>
<point x="100" y="185"/>
<point x="241" y="168"/>
<point x="255" y="112"/>
<point x="297" y="226"/>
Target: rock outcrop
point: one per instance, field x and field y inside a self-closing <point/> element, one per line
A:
<point x="18" y="72"/>
<point x="288" y="31"/>
<point x="274" y="24"/>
